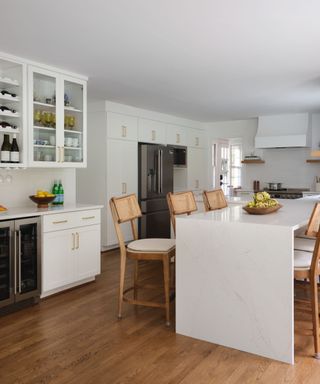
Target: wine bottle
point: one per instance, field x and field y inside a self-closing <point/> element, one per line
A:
<point x="14" y="153"/>
<point x="3" y="108"/>
<point x="5" y="149"/>
<point x="5" y="124"/>
<point x="4" y="93"/>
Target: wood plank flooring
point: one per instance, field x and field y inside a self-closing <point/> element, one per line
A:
<point x="75" y="338"/>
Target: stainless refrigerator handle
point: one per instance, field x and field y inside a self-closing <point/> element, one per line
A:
<point x="19" y="261"/>
<point x="15" y="262"/>
<point x="159" y="171"/>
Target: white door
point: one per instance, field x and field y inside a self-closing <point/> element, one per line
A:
<point x="87" y="255"/>
<point x="221" y="165"/>
<point x="122" y="179"/>
<point x="58" y="256"/>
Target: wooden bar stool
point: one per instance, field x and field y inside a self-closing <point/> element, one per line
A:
<point x="126" y="209"/>
<point x="180" y="203"/>
<point x="306" y="266"/>
<point x="214" y="199"/>
<point x="307" y="242"/>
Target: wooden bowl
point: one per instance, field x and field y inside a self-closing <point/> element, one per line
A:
<point x="42" y="202"/>
<point x="261" y="211"/>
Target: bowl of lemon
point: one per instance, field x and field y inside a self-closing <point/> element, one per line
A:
<point x="262" y="204"/>
<point x="42" y="198"/>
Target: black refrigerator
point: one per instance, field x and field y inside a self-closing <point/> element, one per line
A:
<point x="155" y="181"/>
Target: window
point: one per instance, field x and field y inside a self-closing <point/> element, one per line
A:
<point x="235" y="164"/>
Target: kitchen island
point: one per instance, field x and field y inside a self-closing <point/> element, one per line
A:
<point x="234" y="278"/>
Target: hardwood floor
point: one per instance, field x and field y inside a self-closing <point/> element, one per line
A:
<point x="75" y="337"/>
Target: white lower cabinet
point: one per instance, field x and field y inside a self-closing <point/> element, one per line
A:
<point x="69" y="255"/>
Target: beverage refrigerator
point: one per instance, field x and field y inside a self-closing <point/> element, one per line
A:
<point x="19" y="262"/>
<point x="155" y="181"/>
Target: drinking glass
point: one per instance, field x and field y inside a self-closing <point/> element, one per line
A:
<point x="37" y="117"/>
<point x="71" y="122"/>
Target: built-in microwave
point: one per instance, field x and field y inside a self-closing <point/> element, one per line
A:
<point x="179" y="156"/>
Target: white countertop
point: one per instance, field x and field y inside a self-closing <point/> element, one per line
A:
<point x="293" y="214"/>
<point x="16" y="213"/>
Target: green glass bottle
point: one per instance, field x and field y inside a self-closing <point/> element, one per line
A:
<point x="61" y="193"/>
<point x="55" y="191"/>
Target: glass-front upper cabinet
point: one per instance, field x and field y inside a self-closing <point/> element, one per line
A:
<point x="57" y="118"/>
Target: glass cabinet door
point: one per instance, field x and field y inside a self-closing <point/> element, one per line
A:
<point x="74" y="94"/>
<point x="44" y="113"/>
<point x="6" y="257"/>
<point x="28" y="257"/>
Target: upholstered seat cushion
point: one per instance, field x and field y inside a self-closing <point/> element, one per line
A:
<point x="152" y="245"/>
<point x="302" y="259"/>
<point x="304" y="244"/>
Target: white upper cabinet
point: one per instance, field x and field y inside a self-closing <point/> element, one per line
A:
<point x="57" y="119"/>
<point x="196" y="138"/>
<point x="121" y="126"/>
<point x="177" y="135"/>
<point x="13" y="92"/>
<point x="152" y="131"/>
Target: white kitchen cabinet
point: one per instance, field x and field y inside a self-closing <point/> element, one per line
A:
<point x="13" y="88"/>
<point x="71" y="250"/>
<point x="196" y="138"/>
<point x="196" y="168"/>
<point x="152" y="131"/>
<point x="57" y="119"/>
<point x="121" y="126"/>
<point x="122" y="179"/>
<point x="58" y="260"/>
<point x="176" y="134"/>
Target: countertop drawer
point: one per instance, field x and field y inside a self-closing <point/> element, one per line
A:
<point x="61" y="221"/>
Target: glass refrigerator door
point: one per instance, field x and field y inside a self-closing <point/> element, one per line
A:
<point x="73" y="122"/>
<point x="27" y="258"/>
<point x="6" y="267"/>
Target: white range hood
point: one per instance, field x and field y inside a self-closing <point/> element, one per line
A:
<point x="283" y="131"/>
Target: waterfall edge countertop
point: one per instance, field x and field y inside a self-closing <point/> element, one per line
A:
<point x="21" y="212"/>
<point x="234" y="277"/>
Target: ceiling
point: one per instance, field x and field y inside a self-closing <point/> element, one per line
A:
<point x="201" y="59"/>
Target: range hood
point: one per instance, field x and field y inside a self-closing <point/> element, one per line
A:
<point x="283" y="131"/>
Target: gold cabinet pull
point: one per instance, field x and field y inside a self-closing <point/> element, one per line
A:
<point x="124" y="131"/>
<point x="178" y="138"/>
<point x="124" y="188"/>
<point x="73" y="242"/>
<point x="88" y="217"/>
<point x="60" y="222"/>
<point x="197" y="141"/>
<point x="77" y="242"/>
<point x="153" y="135"/>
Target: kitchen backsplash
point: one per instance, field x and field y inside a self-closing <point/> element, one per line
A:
<point x="287" y="165"/>
<point x="26" y="182"/>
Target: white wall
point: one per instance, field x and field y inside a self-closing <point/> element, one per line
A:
<point x="26" y="182"/>
<point x="286" y="165"/>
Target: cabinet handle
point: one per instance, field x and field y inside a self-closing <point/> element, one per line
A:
<point x="178" y="138"/>
<point x="73" y="242"/>
<point x="62" y="154"/>
<point x="19" y="259"/>
<point x="77" y="238"/>
<point x="124" y="131"/>
<point x="60" y="222"/>
<point x="197" y="141"/>
<point x="15" y="263"/>
<point x="124" y="188"/>
<point x="153" y="135"/>
<point x="197" y="183"/>
<point x="88" y="217"/>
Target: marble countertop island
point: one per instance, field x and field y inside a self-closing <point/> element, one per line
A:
<point x="234" y="277"/>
